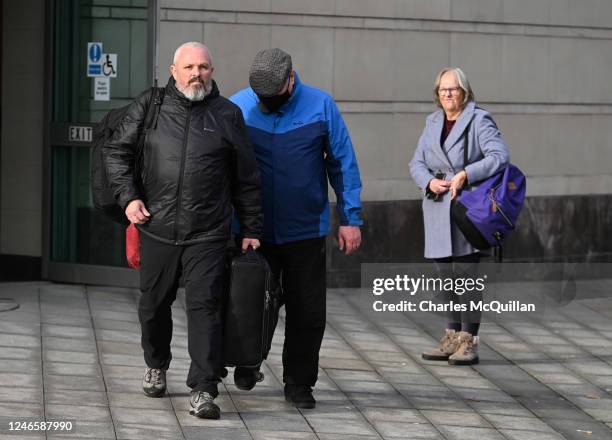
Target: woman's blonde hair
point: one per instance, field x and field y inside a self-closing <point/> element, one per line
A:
<point x="468" y="94"/>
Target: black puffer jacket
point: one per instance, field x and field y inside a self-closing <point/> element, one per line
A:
<point x="196" y="163"/>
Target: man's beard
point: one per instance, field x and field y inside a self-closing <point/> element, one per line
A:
<point x="196" y="90"/>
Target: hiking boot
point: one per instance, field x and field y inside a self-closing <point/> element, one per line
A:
<point x="246" y="378"/>
<point x="467" y="351"/>
<point x="154" y="382"/>
<point x="300" y="396"/>
<point x="202" y="405"/>
<point x="447" y="346"/>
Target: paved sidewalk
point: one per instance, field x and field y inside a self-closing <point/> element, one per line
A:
<point x="73" y="352"/>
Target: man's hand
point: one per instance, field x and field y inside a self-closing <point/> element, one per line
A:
<point x="246" y="242"/>
<point x="349" y="239"/>
<point x="136" y="212"/>
<point x="457" y="182"/>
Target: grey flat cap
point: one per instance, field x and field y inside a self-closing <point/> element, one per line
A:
<point x="269" y="71"/>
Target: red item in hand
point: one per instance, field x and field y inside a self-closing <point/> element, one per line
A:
<point x="132" y="246"/>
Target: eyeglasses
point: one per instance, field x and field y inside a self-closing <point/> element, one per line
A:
<point x="451" y="90"/>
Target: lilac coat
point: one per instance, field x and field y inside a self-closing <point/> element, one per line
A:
<point x="487" y="155"/>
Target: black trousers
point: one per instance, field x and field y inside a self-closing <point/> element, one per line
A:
<point x="461" y="267"/>
<point x="202" y="266"/>
<point x="300" y="267"/>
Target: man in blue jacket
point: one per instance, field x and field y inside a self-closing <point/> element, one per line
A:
<point x="300" y="141"/>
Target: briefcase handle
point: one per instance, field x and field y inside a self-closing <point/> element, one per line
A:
<point x="252" y="255"/>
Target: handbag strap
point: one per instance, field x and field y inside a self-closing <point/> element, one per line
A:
<point x="498" y="251"/>
<point x="465" y="141"/>
<point x="465" y="145"/>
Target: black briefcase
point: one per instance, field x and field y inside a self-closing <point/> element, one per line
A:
<point x="251" y="311"/>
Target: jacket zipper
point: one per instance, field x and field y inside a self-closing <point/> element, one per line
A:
<point x="275" y="234"/>
<point x="267" y="304"/>
<point x="180" y="185"/>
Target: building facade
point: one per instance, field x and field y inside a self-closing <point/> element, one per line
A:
<point x="540" y="66"/>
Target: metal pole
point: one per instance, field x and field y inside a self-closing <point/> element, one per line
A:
<point x="153" y="41"/>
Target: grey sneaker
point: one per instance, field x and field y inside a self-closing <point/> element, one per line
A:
<point x="154" y="382"/>
<point x="467" y="352"/>
<point x="447" y="346"/>
<point x="202" y="405"/>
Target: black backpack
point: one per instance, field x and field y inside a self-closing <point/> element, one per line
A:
<point x="101" y="192"/>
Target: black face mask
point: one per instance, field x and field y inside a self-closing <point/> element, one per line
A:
<point x="273" y="103"/>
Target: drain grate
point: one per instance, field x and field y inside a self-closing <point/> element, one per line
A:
<point x="8" y="304"/>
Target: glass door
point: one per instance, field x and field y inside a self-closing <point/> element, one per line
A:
<point x="101" y="60"/>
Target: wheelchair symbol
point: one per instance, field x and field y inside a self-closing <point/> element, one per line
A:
<point x="107" y="67"/>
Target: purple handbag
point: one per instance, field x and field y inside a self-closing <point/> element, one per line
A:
<point x="487" y="215"/>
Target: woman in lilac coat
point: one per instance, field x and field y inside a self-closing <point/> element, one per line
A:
<point x="438" y="168"/>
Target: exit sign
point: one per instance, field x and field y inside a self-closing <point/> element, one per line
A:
<point x="79" y="133"/>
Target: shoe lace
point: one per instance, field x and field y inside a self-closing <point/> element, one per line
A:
<point x="203" y="396"/>
<point x="446" y="341"/>
<point x="466" y="344"/>
<point x="154" y="376"/>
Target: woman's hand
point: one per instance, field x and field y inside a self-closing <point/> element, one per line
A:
<point x="439" y="186"/>
<point x="457" y="182"/>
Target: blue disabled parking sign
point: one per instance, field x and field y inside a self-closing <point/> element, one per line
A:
<point x="94" y="58"/>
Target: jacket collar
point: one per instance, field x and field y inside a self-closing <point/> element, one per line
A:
<point x="438" y="122"/>
<point x="297" y="88"/>
<point x="175" y="93"/>
<point x="462" y="122"/>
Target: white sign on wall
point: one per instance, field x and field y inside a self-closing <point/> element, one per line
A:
<point x="109" y="65"/>
<point x="102" y="89"/>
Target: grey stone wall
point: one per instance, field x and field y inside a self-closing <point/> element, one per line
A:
<point x="541" y="66"/>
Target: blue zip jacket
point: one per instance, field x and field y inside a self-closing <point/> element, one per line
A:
<point x="298" y="148"/>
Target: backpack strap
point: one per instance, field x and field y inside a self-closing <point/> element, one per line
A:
<point x="153" y="109"/>
<point x="155" y="102"/>
<point x="158" y="99"/>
